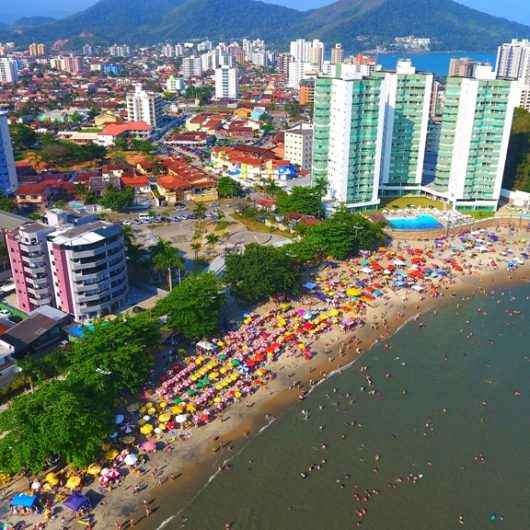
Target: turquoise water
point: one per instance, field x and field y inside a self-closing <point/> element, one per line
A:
<point x="446" y="435"/>
<point x="436" y="62"/>
<point x="420" y="222"/>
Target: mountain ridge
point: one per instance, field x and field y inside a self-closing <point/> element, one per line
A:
<point x="358" y="24"/>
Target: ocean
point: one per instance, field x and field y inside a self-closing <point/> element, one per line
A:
<point x="436" y="62"/>
<point x="426" y="431"/>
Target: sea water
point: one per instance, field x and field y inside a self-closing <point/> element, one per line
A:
<point x="442" y="436"/>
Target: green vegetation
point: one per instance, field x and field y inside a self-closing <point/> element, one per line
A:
<point x="203" y="93"/>
<point x="63" y="153"/>
<point x="23" y="137"/>
<point x="517" y="171"/>
<point x="193" y="308"/>
<point x="7" y="204"/>
<point x="166" y="258"/>
<point x="228" y="188"/>
<point x="293" y="109"/>
<point x="340" y="236"/>
<point x="70" y="418"/>
<point x="117" y="200"/>
<point x="413" y="201"/>
<point x="261" y="272"/>
<point x="301" y="200"/>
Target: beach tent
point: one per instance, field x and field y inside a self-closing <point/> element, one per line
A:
<point x="77" y="502"/>
<point x="21" y="500"/>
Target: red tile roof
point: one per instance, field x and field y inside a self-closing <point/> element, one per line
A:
<point x="117" y="129"/>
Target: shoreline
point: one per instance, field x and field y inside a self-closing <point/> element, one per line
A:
<point x="200" y="473"/>
<point x="185" y="471"/>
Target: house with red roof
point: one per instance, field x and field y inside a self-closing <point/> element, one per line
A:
<point x="40" y="194"/>
<point x="131" y="129"/>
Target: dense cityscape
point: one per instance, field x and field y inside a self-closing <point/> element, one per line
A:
<point x="191" y="227"/>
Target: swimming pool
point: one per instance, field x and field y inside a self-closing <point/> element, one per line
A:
<point x="419" y="222"/>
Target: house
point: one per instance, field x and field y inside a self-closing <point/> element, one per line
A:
<point x="132" y="129"/>
<point x="105" y="117"/>
<point x="41" y="331"/>
<point x="41" y="194"/>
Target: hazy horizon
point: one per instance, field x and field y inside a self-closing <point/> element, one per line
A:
<point x="516" y="10"/>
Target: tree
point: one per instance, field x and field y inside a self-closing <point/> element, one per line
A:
<point x="23" y="137"/>
<point x="200" y="210"/>
<point x="117" y="200"/>
<point x="143" y="146"/>
<point x="261" y="272"/>
<point x="193" y="308"/>
<point x="228" y="188"/>
<point x="340" y="236"/>
<point x="6" y="204"/>
<point x="166" y="258"/>
<point x="293" y="109"/>
<point x="212" y="240"/>
<point x="196" y="247"/>
<point x="301" y="200"/>
<point x="517" y="171"/>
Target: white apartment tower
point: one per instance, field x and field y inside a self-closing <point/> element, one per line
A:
<point x="298" y="146"/>
<point x="191" y="67"/>
<point x="8" y="173"/>
<point x="144" y="106"/>
<point x="8" y="70"/>
<point x="513" y="60"/>
<point x="226" y="83"/>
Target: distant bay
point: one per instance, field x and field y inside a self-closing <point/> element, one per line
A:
<point x="435" y="62"/>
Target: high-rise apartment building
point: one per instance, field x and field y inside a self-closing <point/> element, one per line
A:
<point x="119" y="50"/>
<point x="349" y="120"/>
<point x="70" y="64"/>
<point x="75" y="264"/>
<point x="513" y="60"/>
<point x="37" y="49"/>
<point x="282" y="63"/>
<point x="226" y="83"/>
<point x="191" y="67"/>
<point x="474" y="136"/>
<point x="8" y="70"/>
<point x="306" y="93"/>
<point x="8" y="172"/>
<point x="337" y="54"/>
<point x="175" y="84"/>
<point x="461" y="67"/>
<point x="144" y="106"/>
<point x="408" y="100"/>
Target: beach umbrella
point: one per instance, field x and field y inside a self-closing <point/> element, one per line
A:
<point x="36" y="485"/>
<point x="146" y="429"/>
<point x="94" y="469"/>
<point x="73" y="482"/>
<point x="119" y="419"/>
<point x="111" y="454"/>
<point x="181" y="418"/>
<point x="131" y="459"/>
<point x="164" y="418"/>
<point x="149" y="446"/>
<point x="51" y="479"/>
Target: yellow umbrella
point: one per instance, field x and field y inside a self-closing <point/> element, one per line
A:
<point x="190" y="407"/>
<point x="217" y="399"/>
<point x="47" y="487"/>
<point x="214" y="376"/>
<point x="146" y="429"/>
<point x="94" y="469"/>
<point x="237" y="394"/>
<point x="163" y="404"/>
<point x="164" y="418"/>
<point x="51" y="479"/>
<point x="177" y="410"/>
<point x="73" y="482"/>
<point x="111" y="454"/>
<point x="151" y="411"/>
<point x="162" y="426"/>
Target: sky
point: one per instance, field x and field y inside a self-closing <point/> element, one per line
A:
<point x="518" y="10"/>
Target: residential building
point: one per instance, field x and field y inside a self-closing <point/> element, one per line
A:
<point x="461" y="67"/>
<point x="70" y="64"/>
<point x="306" y="92"/>
<point x="349" y="120"/>
<point x="131" y="129"/>
<point x="37" y="49"/>
<point x="119" y="50"/>
<point x="191" y="67"/>
<point x="8" y="70"/>
<point x="175" y="84"/>
<point x="282" y="63"/>
<point x="308" y="51"/>
<point x="337" y="54"/>
<point x="408" y="100"/>
<point x="144" y="107"/>
<point x="474" y="136"/>
<point x="298" y="146"/>
<point x="226" y="83"/>
<point x="525" y="97"/>
<point x="76" y="264"/>
<point x="513" y="60"/>
<point x="8" y="172"/>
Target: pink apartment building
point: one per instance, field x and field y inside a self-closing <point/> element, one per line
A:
<point x="77" y="265"/>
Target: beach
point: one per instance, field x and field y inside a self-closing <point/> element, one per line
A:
<point x="142" y="500"/>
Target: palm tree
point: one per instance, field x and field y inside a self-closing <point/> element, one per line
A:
<point x="167" y="257"/>
<point x="200" y="211"/>
<point x="212" y="240"/>
<point x="31" y="370"/>
<point x="196" y="246"/>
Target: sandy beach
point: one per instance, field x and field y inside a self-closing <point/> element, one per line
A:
<point x="148" y="499"/>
